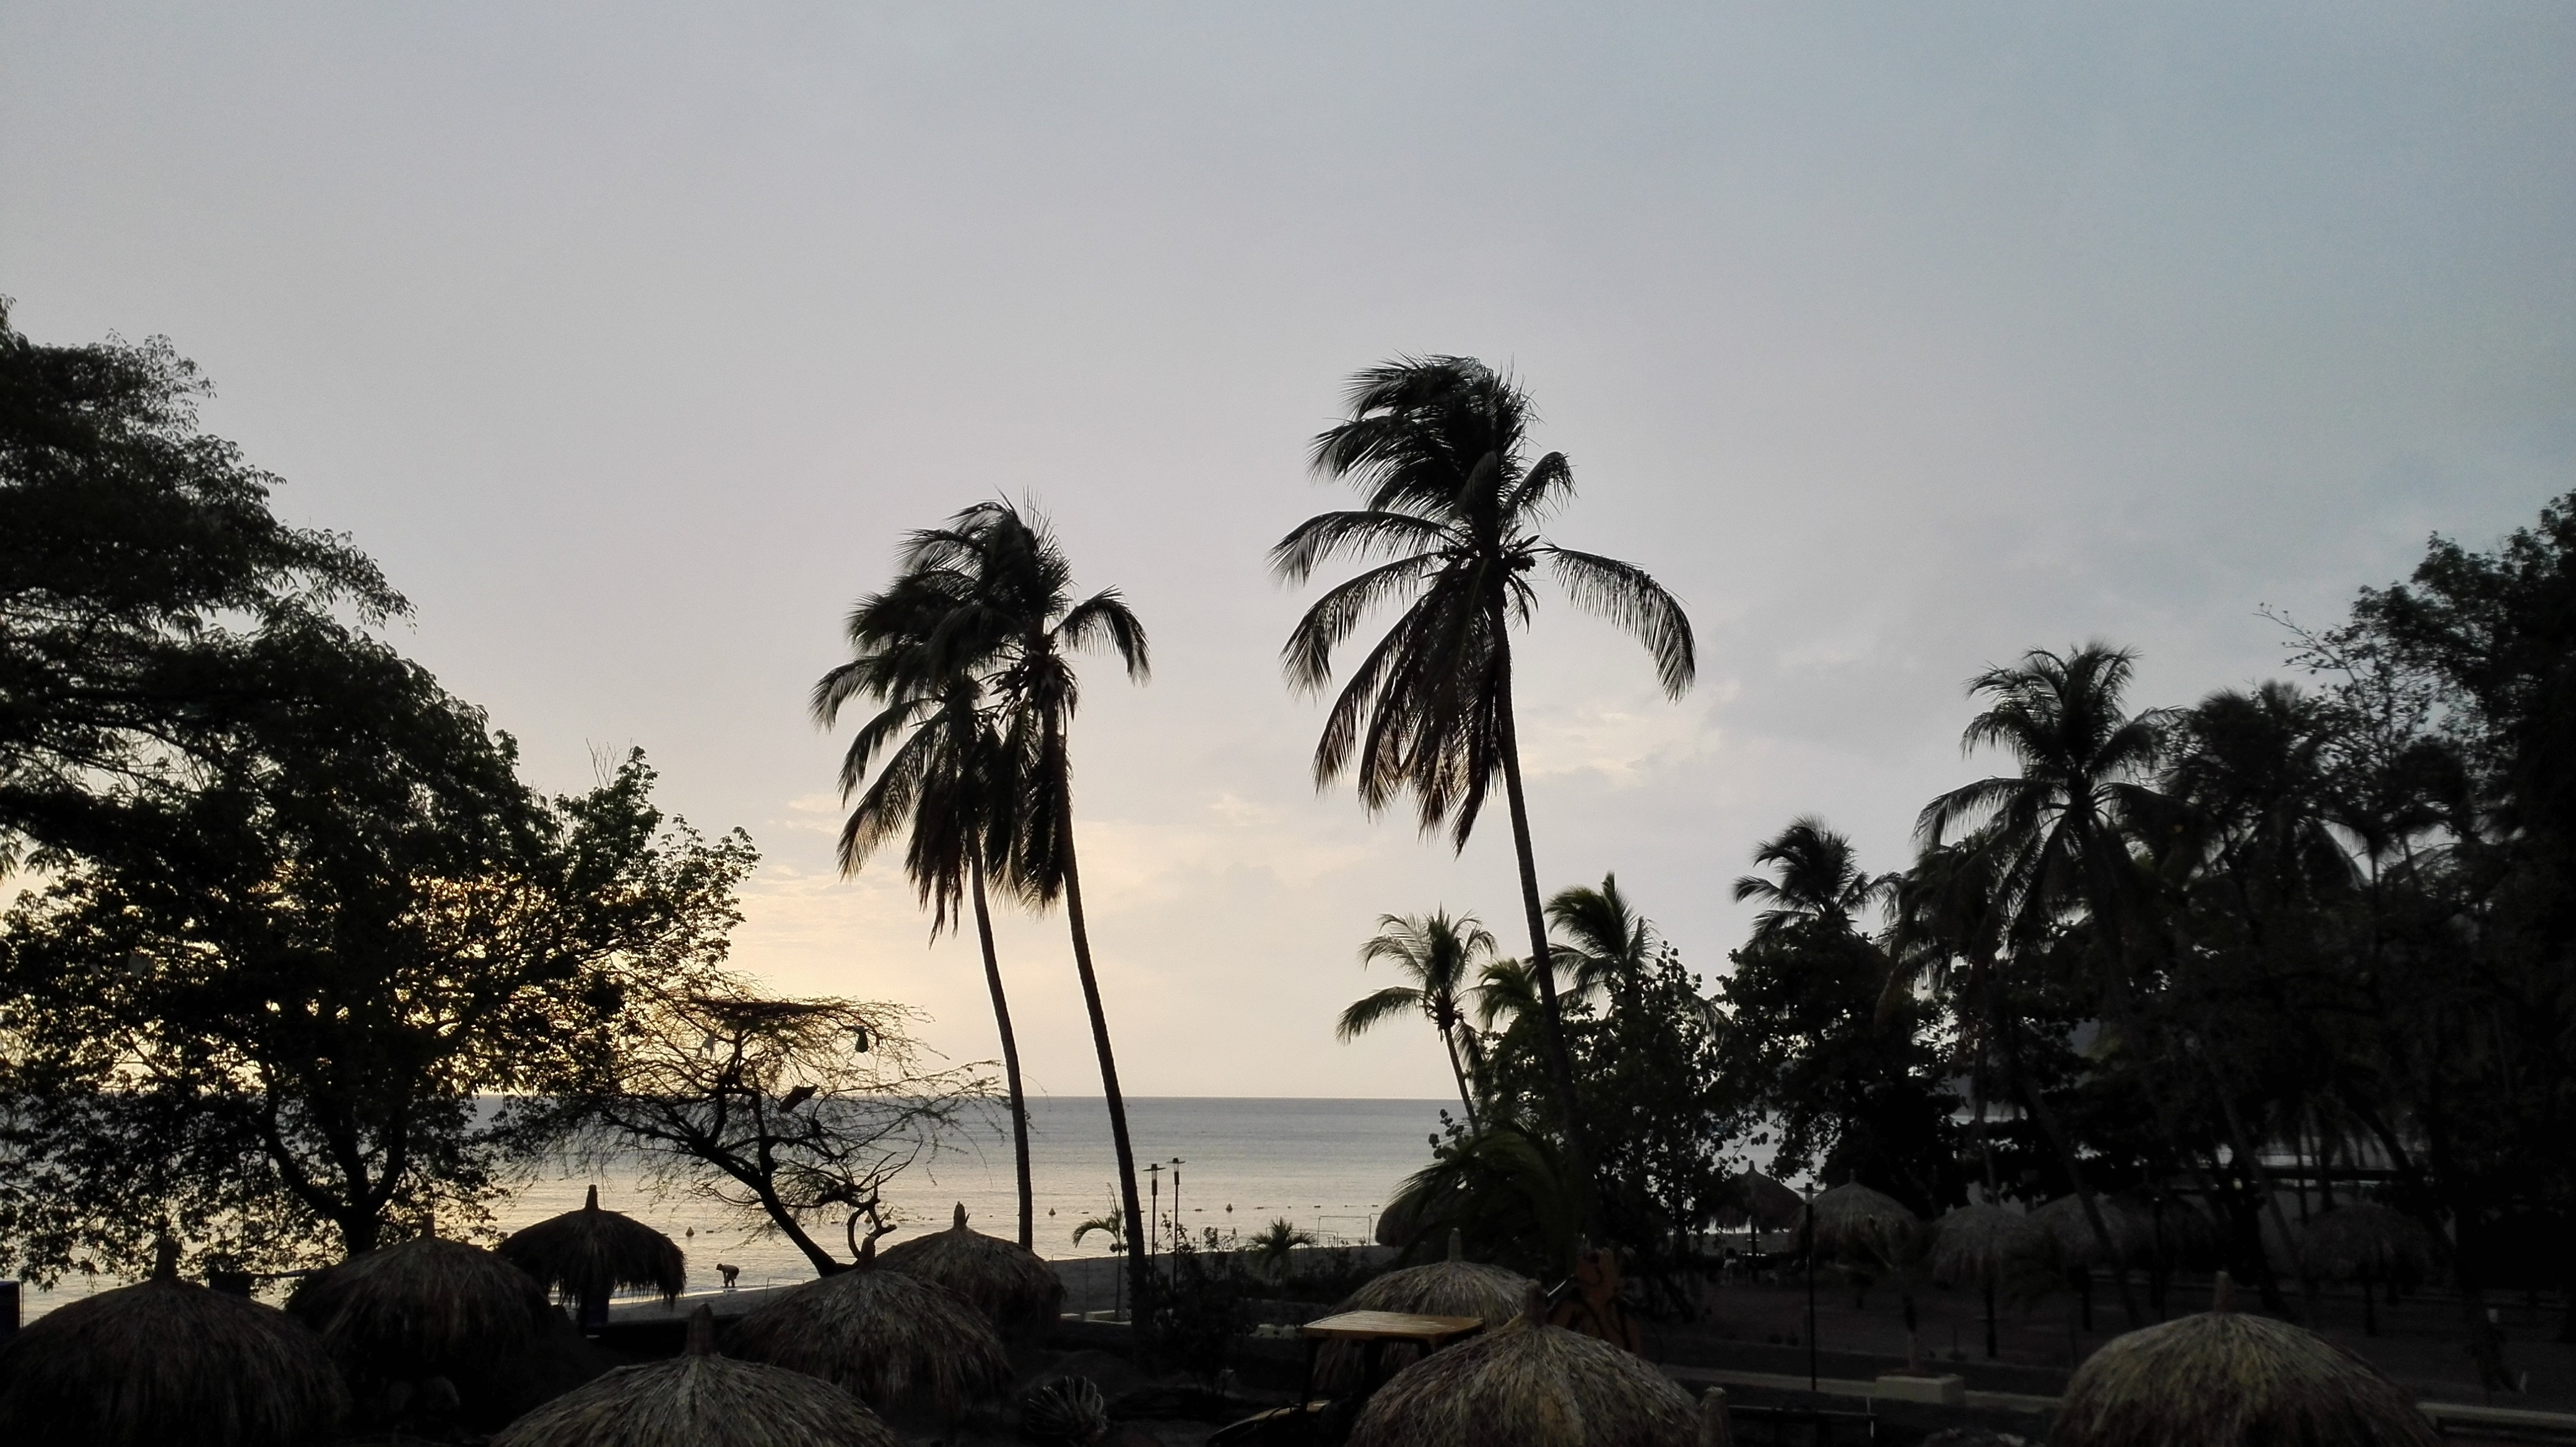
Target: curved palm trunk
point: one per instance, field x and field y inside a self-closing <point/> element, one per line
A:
<point x="1137" y="1287"/>
<point x="1449" y="1037"/>
<point x="1560" y="1062"/>
<point x="1010" y="1059"/>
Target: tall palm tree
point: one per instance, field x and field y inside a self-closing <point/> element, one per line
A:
<point x="1820" y="880"/>
<point x="1018" y="625"/>
<point x="936" y="755"/>
<point x="2058" y="831"/>
<point x="1440" y="955"/>
<point x="1605" y="938"/>
<point x="1439" y="446"/>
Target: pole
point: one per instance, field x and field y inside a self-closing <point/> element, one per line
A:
<point x="1807" y="1244"/>
<point x="1154" y="1217"/>
<point x="1176" y="1199"/>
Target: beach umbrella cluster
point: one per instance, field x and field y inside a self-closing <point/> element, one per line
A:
<point x="1019" y="1293"/>
<point x="591" y="1253"/>
<point x="1454" y="1287"/>
<point x="892" y="1339"/>
<point x="1529" y="1384"/>
<point x="2225" y="1379"/>
<point x="169" y="1363"/>
<point x="700" y="1399"/>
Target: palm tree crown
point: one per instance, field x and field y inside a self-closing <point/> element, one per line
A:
<point x="1820" y="879"/>
<point x="1605" y="938"/>
<point x="1440" y="955"/>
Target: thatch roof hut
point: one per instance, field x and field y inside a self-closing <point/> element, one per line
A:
<point x="1530" y="1385"/>
<point x="590" y="1253"/>
<point x="424" y="1308"/>
<point x="1454" y="1287"/>
<point x="699" y="1399"/>
<point x="895" y="1340"/>
<point x="2132" y="1234"/>
<point x="1018" y="1293"/>
<point x="2225" y="1379"/>
<point x="1853" y="1220"/>
<point x="1987" y="1245"/>
<point x="1754" y="1199"/>
<point x="169" y="1364"/>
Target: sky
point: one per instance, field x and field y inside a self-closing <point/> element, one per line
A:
<point x="1895" y="340"/>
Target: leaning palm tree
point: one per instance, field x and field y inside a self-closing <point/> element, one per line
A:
<point x="1820" y="880"/>
<point x="1437" y="952"/>
<point x="934" y="752"/>
<point x="1440" y="448"/>
<point x="1017" y="625"/>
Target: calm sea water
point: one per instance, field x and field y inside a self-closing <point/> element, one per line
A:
<point x="1326" y="1165"/>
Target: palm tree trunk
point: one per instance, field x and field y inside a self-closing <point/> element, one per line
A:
<point x="2065" y="1150"/>
<point x="1560" y="1062"/>
<point x="1449" y="1038"/>
<point x="1010" y="1060"/>
<point x="1138" y="1288"/>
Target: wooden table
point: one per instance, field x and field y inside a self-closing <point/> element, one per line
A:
<point x="1377" y="1330"/>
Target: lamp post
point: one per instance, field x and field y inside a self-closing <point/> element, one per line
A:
<point x="1176" y="1198"/>
<point x="1154" y="1215"/>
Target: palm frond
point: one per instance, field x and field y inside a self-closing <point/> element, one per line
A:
<point x="1630" y="597"/>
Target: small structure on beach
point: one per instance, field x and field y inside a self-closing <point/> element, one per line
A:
<point x="1017" y="1292"/>
<point x="700" y="1399"/>
<point x="896" y="1341"/>
<point x="1753" y="1200"/>
<point x="1853" y="1220"/>
<point x="1989" y="1247"/>
<point x="1529" y="1384"/>
<point x="169" y="1363"/>
<point x="424" y="1308"/>
<point x="2226" y="1379"/>
<point x="590" y="1253"/>
<point x="1454" y="1287"/>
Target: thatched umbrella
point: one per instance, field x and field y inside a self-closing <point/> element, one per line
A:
<point x="1853" y="1220"/>
<point x="2079" y="1250"/>
<point x="2224" y="1379"/>
<point x="1530" y="1385"/>
<point x="699" y="1399"/>
<point x="169" y="1364"/>
<point x="1754" y="1199"/>
<point x="895" y="1340"/>
<point x="1018" y="1293"/>
<point x="1455" y="1287"/>
<point x="1988" y="1245"/>
<point x="591" y="1253"/>
<point x="425" y="1308"/>
<point x="2368" y="1243"/>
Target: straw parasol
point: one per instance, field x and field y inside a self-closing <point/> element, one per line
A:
<point x="169" y="1363"/>
<point x="895" y="1340"/>
<point x="591" y="1253"/>
<point x="2368" y="1243"/>
<point x="424" y="1308"/>
<point x="1018" y="1293"/>
<point x="1853" y="1220"/>
<point x="1454" y="1287"/>
<point x="699" y="1399"/>
<point x="1754" y="1199"/>
<point x="2224" y="1379"/>
<point x="1989" y="1247"/>
<point x="1530" y="1385"/>
<point x="2132" y="1234"/>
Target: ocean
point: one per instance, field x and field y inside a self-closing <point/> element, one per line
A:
<point x="1234" y="1164"/>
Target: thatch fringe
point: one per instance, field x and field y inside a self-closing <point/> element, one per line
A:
<point x="2225" y="1379"/>
<point x="1987" y="1245"/>
<point x="591" y="1253"/>
<point x="1529" y="1385"/>
<point x="701" y="1400"/>
<point x="1017" y="1292"/>
<point x="1853" y="1220"/>
<point x="895" y="1340"/>
<point x="424" y="1308"/>
<point x="2133" y="1239"/>
<point x="1751" y="1198"/>
<point x="169" y="1364"/>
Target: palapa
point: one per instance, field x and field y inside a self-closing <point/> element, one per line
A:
<point x="424" y="1308"/>
<point x="2132" y="1234"/>
<point x="1853" y="1220"/>
<point x="2225" y="1379"/>
<point x="1754" y="1199"/>
<point x="1454" y="1287"/>
<point x="1986" y="1246"/>
<point x="590" y="1253"/>
<point x="699" y="1399"/>
<point x="1017" y="1292"/>
<point x="1531" y="1385"/>
<point x="2368" y="1243"/>
<point x="895" y="1340"/>
<point x="169" y="1363"/>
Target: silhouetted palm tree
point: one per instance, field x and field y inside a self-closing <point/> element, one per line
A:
<point x="1820" y="880"/>
<point x="1440" y="954"/>
<point x="1605" y="938"/>
<point x="1018" y="626"/>
<point x="1439" y="447"/>
<point x="937" y="785"/>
